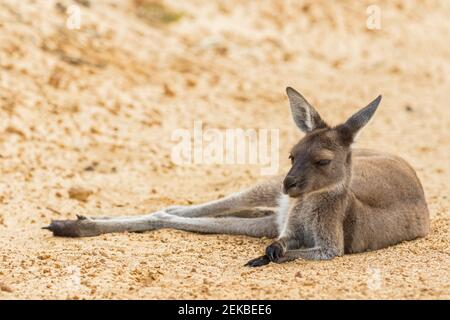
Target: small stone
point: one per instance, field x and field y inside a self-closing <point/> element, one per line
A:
<point x="5" y="288"/>
<point x="79" y="193"/>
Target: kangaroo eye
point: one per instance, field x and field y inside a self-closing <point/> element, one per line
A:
<point x="291" y="158"/>
<point x="323" y="162"/>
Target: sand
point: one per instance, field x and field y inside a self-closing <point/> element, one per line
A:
<point x="87" y="117"/>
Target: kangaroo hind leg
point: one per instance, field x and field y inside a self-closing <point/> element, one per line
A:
<point x="262" y="195"/>
<point x="84" y="227"/>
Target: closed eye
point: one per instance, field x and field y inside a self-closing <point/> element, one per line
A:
<point x="323" y="162"/>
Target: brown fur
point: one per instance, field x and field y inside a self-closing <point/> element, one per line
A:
<point x="334" y="199"/>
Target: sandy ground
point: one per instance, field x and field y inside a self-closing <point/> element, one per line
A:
<point x="95" y="108"/>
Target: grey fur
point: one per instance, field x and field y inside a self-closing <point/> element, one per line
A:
<point x="334" y="200"/>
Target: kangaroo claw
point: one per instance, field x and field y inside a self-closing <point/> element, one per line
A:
<point x="82" y="227"/>
<point x="258" y="262"/>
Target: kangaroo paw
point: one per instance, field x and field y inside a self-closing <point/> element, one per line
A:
<point x="275" y="251"/>
<point x="72" y="228"/>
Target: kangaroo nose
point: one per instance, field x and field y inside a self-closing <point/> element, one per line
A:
<point x="288" y="183"/>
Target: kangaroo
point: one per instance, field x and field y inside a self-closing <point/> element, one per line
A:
<point x="334" y="199"/>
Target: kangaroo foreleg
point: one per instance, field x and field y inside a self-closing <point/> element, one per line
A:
<point x="316" y="253"/>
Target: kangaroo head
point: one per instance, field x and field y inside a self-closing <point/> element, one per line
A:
<point x="321" y="160"/>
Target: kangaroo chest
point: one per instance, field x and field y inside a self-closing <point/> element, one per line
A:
<point x="296" y="219"/>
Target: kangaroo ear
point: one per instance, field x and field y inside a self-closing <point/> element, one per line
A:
<point x="351" y="127"/>
<point x="305" y="116"/>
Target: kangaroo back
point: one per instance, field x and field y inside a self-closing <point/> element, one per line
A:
<point x="387" y="203"/>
